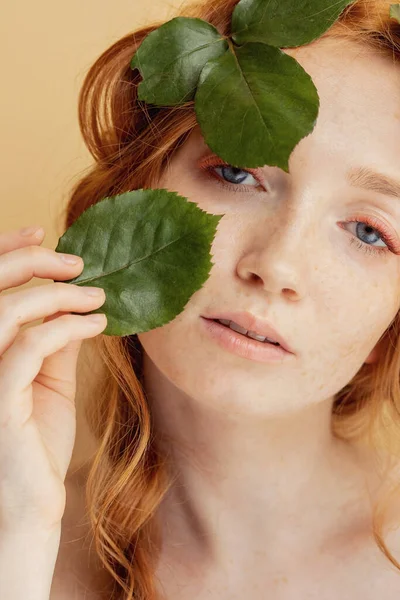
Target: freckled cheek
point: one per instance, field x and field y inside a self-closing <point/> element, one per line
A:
<point x="234" y="228"/>
<point x="225" y="244"/>
<point x="223" y="247"/>
<point x="361" y="314"/>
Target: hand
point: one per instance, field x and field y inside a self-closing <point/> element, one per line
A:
<point x="38" y="379"/>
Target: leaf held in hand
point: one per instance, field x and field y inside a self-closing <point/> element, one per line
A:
<point x="150" y="252"/>
<point x="254" y="105"/>
<point x="171" y="58"/>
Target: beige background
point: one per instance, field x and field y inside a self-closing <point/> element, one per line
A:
<point x="46" y="48"/>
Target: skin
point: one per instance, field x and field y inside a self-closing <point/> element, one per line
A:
<point x="259" y="476"/>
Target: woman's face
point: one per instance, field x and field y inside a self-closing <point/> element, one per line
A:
<point x="296" y="249"/>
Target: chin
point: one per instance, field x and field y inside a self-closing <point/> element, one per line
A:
<point x="176" y="370"/>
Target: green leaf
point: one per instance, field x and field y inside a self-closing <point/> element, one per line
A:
<point x="284" y="24"/>
<point x="255" y="105"/>
<point x="395" y="11"/>
<point x="171" y="58"/>
<point x="148" y="249"/>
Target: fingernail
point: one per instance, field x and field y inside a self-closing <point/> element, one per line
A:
<point x="70" y="259"/>
<point x="93" y="291"/>
<point x="31" y="230"/>
<point x="96" y="318"/>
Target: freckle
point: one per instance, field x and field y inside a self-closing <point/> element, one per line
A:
<point x="280" y="580"/>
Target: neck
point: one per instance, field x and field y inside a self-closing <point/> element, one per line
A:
<point x="251" y="481"/>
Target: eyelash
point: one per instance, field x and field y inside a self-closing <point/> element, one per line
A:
<point x="210" y="163"/>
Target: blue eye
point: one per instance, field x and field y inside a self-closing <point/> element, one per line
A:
<point x="234" y="175"/>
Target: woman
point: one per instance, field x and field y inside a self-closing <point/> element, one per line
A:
<point x="216" y="472"/>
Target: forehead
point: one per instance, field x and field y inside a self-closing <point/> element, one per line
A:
<point x="359" y="94"/>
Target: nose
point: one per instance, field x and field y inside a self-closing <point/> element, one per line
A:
<point x="277" y="259"/>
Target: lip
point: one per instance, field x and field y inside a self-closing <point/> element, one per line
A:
<point x="242" y="346"/>
<point x="253" y="323"/>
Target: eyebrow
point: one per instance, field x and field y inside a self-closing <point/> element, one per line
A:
<point x="366" y="178"/>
